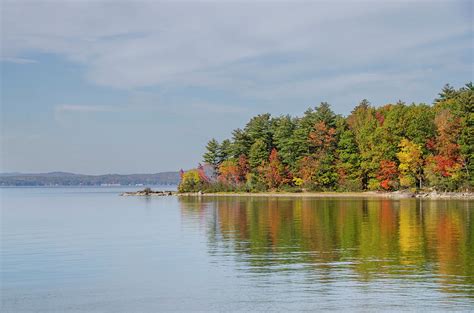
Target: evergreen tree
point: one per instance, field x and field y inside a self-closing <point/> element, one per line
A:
<point x="212" y="155"/>
<point x="466" y="138"/>
<point x="225" y="151"/>
<point x="241" y="143"/>
<point x="348" y="160"/>
<point x="283" y="129"/>
<point x="258" y="154"/>
<point x="259" y="128"/>
<point x="448" y="92"/>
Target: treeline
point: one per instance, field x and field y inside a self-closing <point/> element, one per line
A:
<point x="70" y="179"/>
<point x="392" y="147"/>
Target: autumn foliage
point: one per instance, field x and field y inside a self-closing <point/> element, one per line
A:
<point x="275" y="172"/>
<point x="387" y="175"/>
<point x="391" y="147"/>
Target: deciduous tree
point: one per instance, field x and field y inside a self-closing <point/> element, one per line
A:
<point x="411" y="163"/>
<point x="388" y="175"/>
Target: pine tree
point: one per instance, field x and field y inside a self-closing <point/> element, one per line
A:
<point x="258" y="154"/>
<point x="212" y="155"/>
<point x="225" y="151"/>
<point x="348" y="160"/>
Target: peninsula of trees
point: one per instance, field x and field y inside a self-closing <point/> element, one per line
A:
<point x="392" y="147"/>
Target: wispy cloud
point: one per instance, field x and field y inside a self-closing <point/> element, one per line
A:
<point x="86" y="108"/>
<point x="18" y="60"/>
<point x="64" y="112"/>
<point x="169" y="43"/>
<point x="217" y="108"/>
<point x="141" y="105"/>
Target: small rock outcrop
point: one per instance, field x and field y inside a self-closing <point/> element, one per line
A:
<point x="147" y="192"/>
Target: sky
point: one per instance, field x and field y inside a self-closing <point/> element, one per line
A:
<point x="100" y="87"/>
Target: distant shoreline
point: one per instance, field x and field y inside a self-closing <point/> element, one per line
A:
<point x="366" y="194"/>
<point x="63" y="179"/>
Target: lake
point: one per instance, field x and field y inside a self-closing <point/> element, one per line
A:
<point x="90" y="250"/>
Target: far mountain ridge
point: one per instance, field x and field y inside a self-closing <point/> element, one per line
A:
<point x="72" y="179"/>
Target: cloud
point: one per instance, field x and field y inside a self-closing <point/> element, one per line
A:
<point x="249" y="48"/>
<point x="64" y="112"/>
<point x="140" y="104"/>
<point x="85" y="108"/>
<point x="18" y="60"/>
<point x="217" y="108"/>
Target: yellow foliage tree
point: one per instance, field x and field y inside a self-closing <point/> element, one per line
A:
<point x="411" y="162"/>
<point x="190" y="181"/>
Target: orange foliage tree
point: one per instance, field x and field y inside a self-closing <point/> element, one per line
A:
<point x="444" y="169"/>
<point x="388" y="174"/>
<point x="243" y="167"/>
<point x="229" y="172"/>
<point x="274" y="171"/>
<point x="318" y="169"/>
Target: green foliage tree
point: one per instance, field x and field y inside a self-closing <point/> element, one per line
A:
<point x="348" y="160"/>
<point x="283" y="138"/>
<point x="260" y="128"/>
<point x="466" y="138"/>
<point x="213" y="154"/>
<point x="419" y="126"/>
<point x="225" y="151"/>
<point x="447" y="93"/>
<point x="362" y="123"/>
<point x="241" y="143"/>
<point x="258" y="154"/>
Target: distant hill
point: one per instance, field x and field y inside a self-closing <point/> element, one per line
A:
<point x="71" y="179"/>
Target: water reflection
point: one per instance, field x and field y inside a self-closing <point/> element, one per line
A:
<point x="358" y="239"/>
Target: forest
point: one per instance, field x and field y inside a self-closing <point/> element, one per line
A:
<point x="392" y="147"/>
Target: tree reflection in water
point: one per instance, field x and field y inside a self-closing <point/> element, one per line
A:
<point x="364" y="239"/>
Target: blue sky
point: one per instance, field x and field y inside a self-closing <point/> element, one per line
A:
<point x="140" y="86"/>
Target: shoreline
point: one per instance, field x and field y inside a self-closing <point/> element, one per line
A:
<point x="330" y="194"/>
<point x="362" y="194"/>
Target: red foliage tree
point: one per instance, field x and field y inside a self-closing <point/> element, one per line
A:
<point x="447" y="161"/>
<point x="202" y="174"/>
<point x="243" y="167"/>
<point x="275" y="172"/>
<point x="444" y="165"/>
<point x="380" y="118"/>
<point x="309" y="165"/>
<point x="387" y="175"/>
<point x="322" y="136"/>
<point x="448" y="127"/>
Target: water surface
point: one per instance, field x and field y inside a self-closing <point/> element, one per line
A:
<point x="89" y="250"/>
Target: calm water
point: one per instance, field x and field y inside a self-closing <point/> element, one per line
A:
<point x="89" y="250"/>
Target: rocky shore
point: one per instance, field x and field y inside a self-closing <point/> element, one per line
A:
<point x="368" y="194"/>
<point x="445" y="195"/>
<point x="147" y="192"/>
